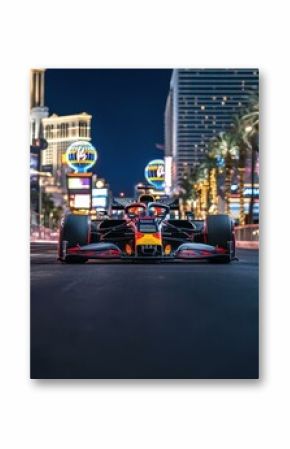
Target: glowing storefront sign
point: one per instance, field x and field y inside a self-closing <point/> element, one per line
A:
<point x="100" y="198"/>
<point x="248" y="191"/>
<point x="81" y="156"/>
<point x="155" y="173"/>
<point x="79" y="183"/>
<point x="82" y="201"/>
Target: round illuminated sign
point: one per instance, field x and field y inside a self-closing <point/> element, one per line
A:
<point x="81" y="156"/>
<point x="155" y="173"/>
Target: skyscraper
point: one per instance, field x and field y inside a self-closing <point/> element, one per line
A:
<point x="201" y="103"/>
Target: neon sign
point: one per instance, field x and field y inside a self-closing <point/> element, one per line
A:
<point x="155" y="173"/>
<point x="81" y="156"/>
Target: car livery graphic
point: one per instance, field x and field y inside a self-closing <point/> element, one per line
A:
<point x="146" y="233"/>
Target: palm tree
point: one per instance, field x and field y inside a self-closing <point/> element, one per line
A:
<point x="249" y="132"/>
<point x="213" y="166"/>
<point x="202" y="186"/>
<point x="187" y="190"/>
<point x="47" y="207"/>
<point x="225" y="151"/>
<point x="243" y="154"/>
<point x="251" y="116"/>
<point x="237" y="130"/>
<point x="186" y="187"/>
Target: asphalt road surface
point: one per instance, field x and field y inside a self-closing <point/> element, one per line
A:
<point x="115" y="320"/>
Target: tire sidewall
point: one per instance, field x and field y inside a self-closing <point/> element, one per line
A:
<point x="219" y="230"/>
<point x="75" y="230"/>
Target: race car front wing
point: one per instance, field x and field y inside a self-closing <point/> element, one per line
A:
<point x="186" y="251"/>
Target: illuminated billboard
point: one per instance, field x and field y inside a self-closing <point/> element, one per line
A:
<point x="80" y="201"/>
<point x="155" y="173"/>
<point x="77" y="183"/>
<point x="100" y="198"/>
<point x="81" y="156"/>
<point x="247" y="190"/>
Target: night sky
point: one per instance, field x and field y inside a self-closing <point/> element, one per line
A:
<point x="128" y="116"/>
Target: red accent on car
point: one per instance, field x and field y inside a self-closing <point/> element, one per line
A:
<point x="74" y="249"/>
<point x="114" y="252"/>
<point x="188" y="253"/>
<point x="220" y="250"/>
<point x="92" y="253"/>
<point x="138" y="235"/>
<point x="204" y="252"/>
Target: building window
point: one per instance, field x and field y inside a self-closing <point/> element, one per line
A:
<point x="73" y="129"/>
<point x="64" y="130"/>
<point x="83" y="129"/>
<point x="49" y="131"/>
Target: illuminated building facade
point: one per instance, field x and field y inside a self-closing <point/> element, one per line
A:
<point x="60" y="132"/>
<point x="201" y="103"/>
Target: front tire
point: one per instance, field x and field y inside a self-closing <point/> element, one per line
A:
<point x="75" y="230"/>
<point x="220" y="233"/>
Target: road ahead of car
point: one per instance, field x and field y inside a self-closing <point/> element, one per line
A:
<point x="116" y="320"/>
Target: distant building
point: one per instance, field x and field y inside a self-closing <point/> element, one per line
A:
<point x="49" y="140"/>
<point x="37" y="109"/>
<point x="201" y="103"/>
<point x="60" y="132"/>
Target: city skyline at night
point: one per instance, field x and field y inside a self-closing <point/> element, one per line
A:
<point x="200" y="104"/>
<point x="127" y="107"/>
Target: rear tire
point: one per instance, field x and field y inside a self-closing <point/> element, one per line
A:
<point x="220" y="233"/>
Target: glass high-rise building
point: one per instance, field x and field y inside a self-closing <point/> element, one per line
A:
<point x="201" y="103"/>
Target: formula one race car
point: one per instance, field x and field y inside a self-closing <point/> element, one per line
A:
<point x="146" y="233"/>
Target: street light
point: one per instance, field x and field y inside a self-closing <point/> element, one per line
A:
<point x="100" y="184"/>
<point x="122" y="194"/>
